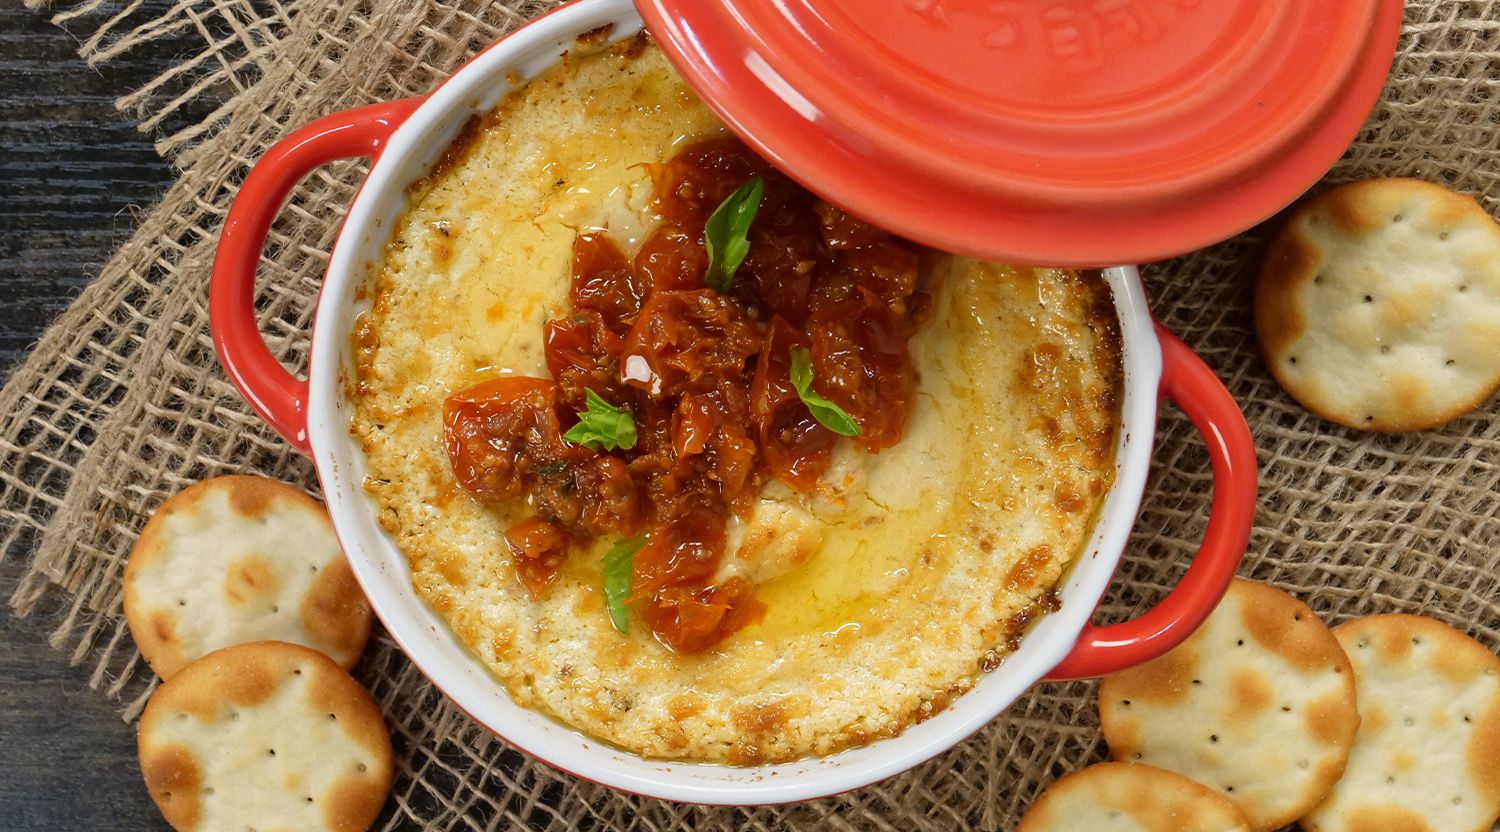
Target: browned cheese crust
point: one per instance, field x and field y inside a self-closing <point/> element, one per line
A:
<point x="888" y="588"/>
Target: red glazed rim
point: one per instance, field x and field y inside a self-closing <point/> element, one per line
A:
<point x="902" y="121"/>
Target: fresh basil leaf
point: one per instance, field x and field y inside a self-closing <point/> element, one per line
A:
<point x="602" y="426"/>
<point x="725" y="234"/>
<point x="827" y="413"/>
<point x="618" y="568"/>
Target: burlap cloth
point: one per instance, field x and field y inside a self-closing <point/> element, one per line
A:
<point x="122" y="404"/>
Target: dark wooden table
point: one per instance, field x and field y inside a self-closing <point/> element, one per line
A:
<point x="73" y="172"/>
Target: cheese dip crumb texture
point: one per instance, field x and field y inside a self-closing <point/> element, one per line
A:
<point x="889" y="586"/>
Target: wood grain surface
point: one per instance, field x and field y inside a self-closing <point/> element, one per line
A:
<point x="73" y="174"/>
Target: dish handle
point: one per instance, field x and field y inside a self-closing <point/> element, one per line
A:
<point x="1188" y="382"/>
<point x="278" y="396"/>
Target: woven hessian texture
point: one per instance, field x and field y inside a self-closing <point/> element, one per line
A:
<point x="122" y="404"/>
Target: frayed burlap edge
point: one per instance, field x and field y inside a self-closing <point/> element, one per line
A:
<point x="231" y="40"/>
<point x="122" y="404"/>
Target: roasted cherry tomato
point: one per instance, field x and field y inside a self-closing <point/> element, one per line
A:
<point x="504" y="441"/>
<point x="683" y="338"/>
<point x="492" y="431"/>
<point x="540" y="550"/>
<point x="692" y="619"/>
<point x="672" y="258"/>
<point x="604" y="282"/>
<point x="795" y="447"/>
<point x="861" y="363"/>
<point x="583" y="354"/>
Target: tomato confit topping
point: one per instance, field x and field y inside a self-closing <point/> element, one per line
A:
<point x="754" y="327"/>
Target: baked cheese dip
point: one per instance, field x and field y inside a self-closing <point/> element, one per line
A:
<point x="694" y="461"/>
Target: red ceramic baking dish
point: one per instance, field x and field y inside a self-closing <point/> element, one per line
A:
<point x="404" y="139"/>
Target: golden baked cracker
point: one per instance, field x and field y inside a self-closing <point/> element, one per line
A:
<point x="265" y="735"/>
<point x="1378" y="305"/>
<point x="1258" y="704"/>
<point x="236" y="559"/>
<point x="1131" y="797"/>
<point x="1427" y="756"/>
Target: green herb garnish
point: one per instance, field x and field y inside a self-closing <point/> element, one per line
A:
<point x="827" y="413"/>
<point x="725" y="234"/>
<point x="618" y="567"/>
<point x="602" y="426"/>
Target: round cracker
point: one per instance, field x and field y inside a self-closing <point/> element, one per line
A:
<point x="1126" y="797"/>
<point x="1427" y="756"/>
<point x="1378" y="305"/>
<point x="236" y="559"/>
<point x="1258" y="704"/>
<point x="266" y="735"/>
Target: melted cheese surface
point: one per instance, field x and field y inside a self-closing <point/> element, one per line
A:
<point x="887" y="589"/>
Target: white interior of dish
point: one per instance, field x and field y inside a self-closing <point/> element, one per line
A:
<point x="383" y="572"/>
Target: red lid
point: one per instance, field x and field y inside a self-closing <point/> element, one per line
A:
<point x="1065" y="132"/>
